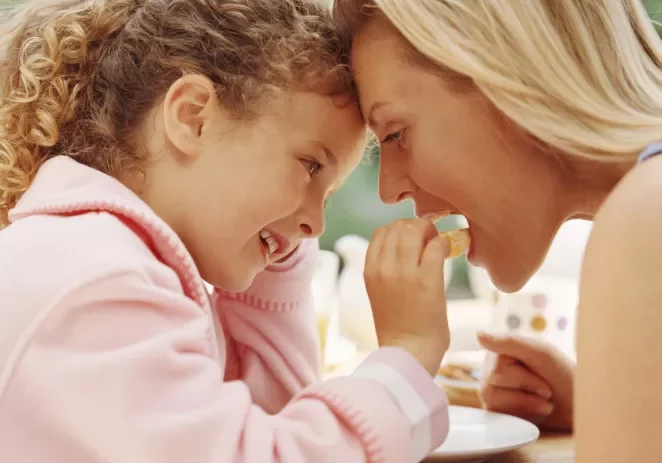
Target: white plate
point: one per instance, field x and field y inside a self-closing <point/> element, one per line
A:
<point x="477" y="435"/>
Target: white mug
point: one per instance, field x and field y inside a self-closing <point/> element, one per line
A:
<point x="546" y="309"/>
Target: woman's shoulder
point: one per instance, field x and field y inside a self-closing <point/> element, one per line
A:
<point x="623" y="259"/>
<point x="629" y="223"/>
<point x="636" y="201"/>
<point x="619" y="314"/>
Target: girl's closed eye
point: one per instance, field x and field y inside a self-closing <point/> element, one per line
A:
<point x="312" y="166"/>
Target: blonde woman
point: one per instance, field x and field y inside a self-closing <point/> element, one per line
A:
<point x="520" y="115"/>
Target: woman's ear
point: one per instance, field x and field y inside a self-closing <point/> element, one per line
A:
<point x="188" y="108"/>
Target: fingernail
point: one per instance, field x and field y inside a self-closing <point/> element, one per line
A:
<point x="544" y="393"/>
<point x="545" y="409"/>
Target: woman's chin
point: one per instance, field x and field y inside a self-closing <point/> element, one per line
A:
<point x="506" y="280"/>
<point x="508" y="286"/>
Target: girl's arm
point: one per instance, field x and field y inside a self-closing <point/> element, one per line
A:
<point x="121" y="369"/>
<point x="271" y="339"/>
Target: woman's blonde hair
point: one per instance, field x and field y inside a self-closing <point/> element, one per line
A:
<point x="582" y="76"/>
<point x="77" y="77"/>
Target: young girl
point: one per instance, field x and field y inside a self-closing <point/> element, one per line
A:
<point x="146" y="146"/>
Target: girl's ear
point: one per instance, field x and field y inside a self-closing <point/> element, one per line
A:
<point x="188" y="109"/>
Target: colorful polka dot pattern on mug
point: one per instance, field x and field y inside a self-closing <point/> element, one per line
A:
<point x="543" y="309"/>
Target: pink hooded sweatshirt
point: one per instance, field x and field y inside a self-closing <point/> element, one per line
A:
<point x="112" y="350"/>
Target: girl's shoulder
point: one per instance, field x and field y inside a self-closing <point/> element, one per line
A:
<point x="75" y="221"/>
<point x="45" y="258"/>
<point x="80" y="246"/>
<point x="64" y="248"/>
<point x="57" y="271"/>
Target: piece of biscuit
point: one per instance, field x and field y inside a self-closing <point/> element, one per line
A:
<point x="460" y="240"/>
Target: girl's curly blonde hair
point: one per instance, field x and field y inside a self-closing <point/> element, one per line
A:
<point x="78" y="76"/>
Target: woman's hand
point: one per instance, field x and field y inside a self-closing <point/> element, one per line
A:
<point x="404" y="276"/>
<point x="530" y="379"/>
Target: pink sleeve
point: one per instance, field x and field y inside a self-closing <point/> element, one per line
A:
<point x="270" y="330"/>
<point x="124" y="370"/>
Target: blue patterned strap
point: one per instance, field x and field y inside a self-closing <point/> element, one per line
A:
<point x="650" y="151"/>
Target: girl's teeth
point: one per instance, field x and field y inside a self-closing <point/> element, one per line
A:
<point x="269" y="240"/>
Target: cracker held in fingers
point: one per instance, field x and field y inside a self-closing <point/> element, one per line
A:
<point x="460" y="240"/>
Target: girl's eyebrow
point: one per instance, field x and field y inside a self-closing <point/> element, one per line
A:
<point x="330" y="157"/>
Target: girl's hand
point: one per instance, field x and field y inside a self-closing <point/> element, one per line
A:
<point x="404" y="276"/>
<point x="530" y="379"/>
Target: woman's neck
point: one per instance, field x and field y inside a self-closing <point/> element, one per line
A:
<point x="589" y="183"/>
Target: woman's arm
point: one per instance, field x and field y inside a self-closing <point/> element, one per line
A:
<point x="619" y="375"/>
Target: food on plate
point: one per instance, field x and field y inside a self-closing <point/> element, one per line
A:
<point x="458" y="372"/>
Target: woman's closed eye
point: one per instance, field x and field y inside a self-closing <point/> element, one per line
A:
<point x="312" y="166"/>
<point x="395" y="137"/>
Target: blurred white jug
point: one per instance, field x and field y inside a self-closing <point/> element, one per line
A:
<point x="355" y="315"/>
<point x="325" y="294"/>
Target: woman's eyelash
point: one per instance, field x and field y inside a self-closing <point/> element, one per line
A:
<point x="393" y="137"/>
<point x="312" y="167"/>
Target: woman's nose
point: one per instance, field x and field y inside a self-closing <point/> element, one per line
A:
<point x="394" y="184"/>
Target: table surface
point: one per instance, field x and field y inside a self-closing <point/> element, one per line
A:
<point x="549" y="448"/>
